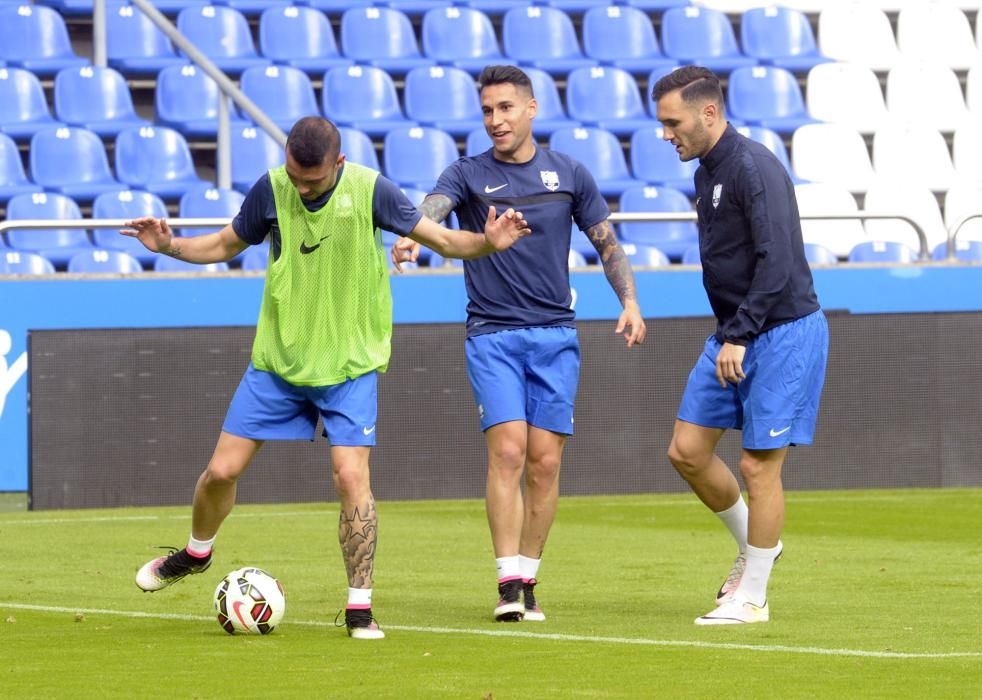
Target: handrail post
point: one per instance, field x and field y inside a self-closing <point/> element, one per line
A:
<point x="223" y="155"/>
<point x="99" y="33"/>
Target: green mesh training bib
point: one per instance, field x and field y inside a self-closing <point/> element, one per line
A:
<point x="326" y="313"/>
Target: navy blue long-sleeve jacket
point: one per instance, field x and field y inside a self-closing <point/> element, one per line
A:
<point x="753" y="259"/>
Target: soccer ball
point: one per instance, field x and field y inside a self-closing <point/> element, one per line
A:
<point x="250" y="601"/>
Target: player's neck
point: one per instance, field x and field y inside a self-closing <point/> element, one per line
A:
<point x="522" y="154"/>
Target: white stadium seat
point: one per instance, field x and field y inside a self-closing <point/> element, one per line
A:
<point x="839" y="235"/>
<point x="936" y="31"/>
<point x="859" y="33"/>
<point x="831" y="153"/>
<point x="888" y="195"/>
<point x="921" y="91"/>
<point x="847" y="94"/>
<point x="915" y="153"/>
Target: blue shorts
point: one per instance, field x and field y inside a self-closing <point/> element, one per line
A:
<point x="777" y="404"/>
<point x="266" y="407"/>
<point x="527" y="374"/>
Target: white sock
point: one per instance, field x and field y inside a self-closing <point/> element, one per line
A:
<point x="200" y="548"/>
<point x="360" y="598"/>
<point x="735" y="518"/>
<point x="528" y="567"/>
<point x="508" y="568"/>
<point x="753" y="584"/>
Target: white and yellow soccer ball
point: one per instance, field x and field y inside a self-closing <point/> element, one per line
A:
<point x="249" y="601"/>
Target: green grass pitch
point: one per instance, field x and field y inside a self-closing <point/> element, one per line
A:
<point x="877" y="595"/>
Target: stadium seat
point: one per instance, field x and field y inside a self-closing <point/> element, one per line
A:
<point x="656" y="5"/>
<point x="207" y="202"/>
<point x="416" y="9"/>
<point x="580" y="242"/>
<point x="551" y="114"/>
<point x="576" y="259"/>
<point x="71" y="161"/>
<point x="926" y="92"/>
<point x="968" y="164"/>
<point x="156" y="159"/>
<point x="857" y="32"/>
<point x="56" y="244"/>
<point x="653" y="78"/>
<point x="846" y="94"/>
<point x="973" y="88"/>
<point x="462" y="37"/>
<point x="915" y="153"/>
<point x="336" y="7"/>
<point x="23" y="106"/>
<point x="645" y="255"/>
<point x="780" y="36"/>
<point x="97" y="99"/>
<point x="134" y="44"/>
<point x="702" y="36"/>
<point x="174" y="7"/>
<point x="253" y="153"/>
<point x="416" y="156"/>
<point x="838" y="235"/>
<point x="965" y="251"/>
<point x="251" y="8"/>
<point x="477" y="141"/>
<point x="608" y="98"/>
<point x="600" y="152"/>
<point x="103" y="261"/>
<point x="70" y="8"/>
<point x="362" y="97"/>
<point x="165" y="263"/>
<point x="256" y="257"/>
<point x="381" y="37"/>
<point x="186" y="100"/>
<point x="691" y="256"/>
<point x="623" y="37"/>
<point x="671" y="237"/>
<point x="495" y="8"/>
<point x="817" y="254"/>
<point x="13" y="179"/>
<point x="654" y="161"/>
<point x="17" y="262"/>
<point x="882" y="252"/>
<point x="774" y="143"/>
<point x="831" y="153"/>
<point x="897" y="196"/>
<point x="544" y="38"/>
<point x="283" y="93"/>
<point x="127" y="204"/>
<point x="223" y="35"/>
<point x="443" y="97"/>
<point x="300" y="37"/>
<point x="357" y="147"/>
<point x="35" y="38"/>
<point x="767" y="96"/>
<point x="937" y="31"/>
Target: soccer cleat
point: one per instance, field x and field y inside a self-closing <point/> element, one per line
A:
<point x="360" y="623"/>
<point x="735" y="612"/>
<point x="732" y="582"/>
<point x="510" y="608"/>
<point x="161" y="572"/>
<point x="533" y="613"/>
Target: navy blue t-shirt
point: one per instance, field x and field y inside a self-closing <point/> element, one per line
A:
<point x="527" y="285"/>
<point x="391" y="210"/>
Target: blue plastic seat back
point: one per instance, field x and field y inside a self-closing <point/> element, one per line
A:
<point x="617" y="32"/>
<point x="673" y="237"/>
<point x="218" y="32"/>
<point x="776" y="32"/>
<point x="101" y="261"/>
<point x="206" y="202"/>
<point x="377" y="32"/>
<point x="20" y="262"/>
<point x="357" y="147"/>
<point x="817" y="254"/>
<point x="535" y="33"/>
<point x="125" y="204"/>
<point x="45" y="205"/>
<point x="92" y="94"/>
<point x="165" y="263"/>
<point x="441" y="93"/>
<point x="256" y="257"/>
<point x="882" y="251"/>
<point x="763" y="92"/>
<point x="185" y="93"/>
<point x="458" y="33"/>
<point x="35" y="32"/>
<point x="66" y="156"/>
<point x="965" y="250"/>
<point x="153" y="154"/>
<point x="596" y="94"/>
<point x="416" y="155"/>
<point x="253" y="153"/>
<point x="11" y="166"/>
<point x="654" y="159"/>
<point x="597" y="149"/>
<point x="645" y="255"/>
<point x="357" y="93"/>
<point x="282" y="92"/>
<point x="22" y="98"/>
<point x="771" y="139"/>
<point x="131" y="34"/>
<point x="477" y="141"/>
<point x="691" y="33"/>
<point x="287" y="33"/>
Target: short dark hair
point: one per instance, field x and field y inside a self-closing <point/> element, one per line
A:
<point x="312" y="140"/>
<point x="498" y="75"/>
<point x="696" y="82"/>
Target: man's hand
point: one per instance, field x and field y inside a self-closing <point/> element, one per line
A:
<point x="729" y="364"/>
<point x="631" y="319"/>
<point x="154" y="233"/>
<point x="404" y="250"/>
<point x="502" y="232"/>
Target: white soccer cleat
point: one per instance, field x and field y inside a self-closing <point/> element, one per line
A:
<point x="735" y="612"/>
<point x="162" y="572"/>
<point x="732" y="582"/>
<point x="533" y="613"/>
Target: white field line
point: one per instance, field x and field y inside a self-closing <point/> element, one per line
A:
<point x="692" y="644"/>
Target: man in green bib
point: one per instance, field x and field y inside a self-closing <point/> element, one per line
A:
<point x="324" y="334"/>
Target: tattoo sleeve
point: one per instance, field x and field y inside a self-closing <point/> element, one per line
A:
<point x="358" y="534"/>
<point x="616" y="265"/>
<point x="436" y="207"/>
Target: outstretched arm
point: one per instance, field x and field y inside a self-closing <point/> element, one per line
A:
<point x="157" y="236"/>
<point x="621" y="279"/>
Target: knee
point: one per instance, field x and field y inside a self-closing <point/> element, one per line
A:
<point x="543" y="469"/>
<point x="350" y="477"/>
<point x="686" y="456"/>
<point x="755" y="471"/>
<point x="507" y="456"/>
<point x="223" y="471"/>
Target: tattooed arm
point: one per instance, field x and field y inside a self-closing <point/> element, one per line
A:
<point x="156" y="235"/>
<point x="621" y="279"/>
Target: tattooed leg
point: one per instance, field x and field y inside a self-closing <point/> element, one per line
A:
<point x="358" y="523"/>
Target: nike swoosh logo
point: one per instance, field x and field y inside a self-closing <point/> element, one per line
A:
<point x="489" y="190"/>
<point x="368" y="431"/>
<point x="305" y="249"/>
<point x="775" y="433"/>
<point x="236" y="608"/>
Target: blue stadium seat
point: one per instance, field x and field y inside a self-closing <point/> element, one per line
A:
<point x="774" y="143"/>
<point x="23" y="106"/>
<point x="623" y="37"/>
<point x="254" y="7"/>
<point x="13" y="179"/>
<point x="156" y="159"/>
<point x="656" y="5"/>
<point x="363" y="97"/>
<point x="671" y="237"/>
<point x="74" y="8"/>
<point x="576" y="259"/>
<point x="579" y="242"/>
<point x="477" y="141"/>
<point x="16" y="262"/>
<point x="56" y="244"/>
<point x="300" y="37"/>
<point x="389" y="238"/>
<point x="882" y="251"/>
<point x="415" y="8"/>
<point x="703" y="36"/>
<point x="207" y="202"/>
<point x="965" y="251"/>
<point x="173" y="7"/>
<point x="36" y="38"/>
<point x="127" y="204"/>
<point x="381" y="37"/>
<point x="186" y="100"/>
<point x="691" y="256"/>
<point x="97" y="99"/>
<point x="575" y="7"/>
<point x="606" y="97"/>
<point x="780" y="36"/>
<point x="223" y="35"/>
<point x="71" y="161"/>
<point x="416" y="156"/>
<point x="443" y="97"/>
<point x="256" y="257"/>
<point x="653" y="78"/>
<point x="767" y="96"/>
<point x="102" y="261"/>
<point x="253" y="153"/>
<point x="336" y="7"/>
<point x="543" y="37"/>
<point x="817" y="254"/>
<point x="284" y="93"/>
<point x="462" y="37"/>
<point x="165" y="263"/>
<point x="551" y="114"/>
<point x="134" y="44"/>
<point x="654" y="160"/>
<point x="645" y="255"/>
<point x="357" y="147"/>
<point x="495" y="8"/>
<point x="600" y="152"/>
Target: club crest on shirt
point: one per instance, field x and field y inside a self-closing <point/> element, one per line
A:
<point x="717" y="193"/>
<point x="550" y="178"/>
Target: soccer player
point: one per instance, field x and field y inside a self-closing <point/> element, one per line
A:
<point x="523" y="357"/>
<point x="762" y="370"/>
<point x="323" y="336"/>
